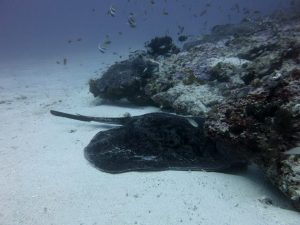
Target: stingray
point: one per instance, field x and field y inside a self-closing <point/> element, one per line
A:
<point x="155" y="142"/>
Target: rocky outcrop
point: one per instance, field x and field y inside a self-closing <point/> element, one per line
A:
<point x="221" y="32"/>
<point x="193" y="100"/>
<point x="264" y="125"/>
<point x="245" y="78"/>
<point x="161" y="46"/>
<point x="126" y="79"/>
<point x="261" y="117"/>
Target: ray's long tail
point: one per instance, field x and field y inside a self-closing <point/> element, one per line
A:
<point x="110" y="120"/>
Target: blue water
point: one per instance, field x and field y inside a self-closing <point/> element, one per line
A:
<point x="42" y="28"/>
<point x="45" y="178"/>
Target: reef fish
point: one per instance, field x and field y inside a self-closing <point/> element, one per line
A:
<point x="131" y="20"/>
<point x="111" y="11"/>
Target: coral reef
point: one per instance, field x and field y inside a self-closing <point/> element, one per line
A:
<point x="221" y="32"/>
<point x="194" y="100"/>
<point x="125" y="79"/>
<point x="263" y="126"/>
<point x="161" y="46"/>
<point x="243" y="77"/>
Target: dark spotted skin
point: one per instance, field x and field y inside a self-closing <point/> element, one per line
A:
<point x="158" y="141"/>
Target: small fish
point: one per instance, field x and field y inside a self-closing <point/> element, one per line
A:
<point x="111" y="11"/>
<point x="69" y="41"/>
<point x="120" y="33"/>
<point x="293" y="151"/>
<point x="79" y="39"/>
<point x="107" y="42"/>
<point x="181" y="29"/>
<point x="65" y="61"/>
<point x="145" y="70"/>
<point x="165" y="13"/>
<point x="132" y="21"/>
<point x="101" y="49"/>
<point x="152" y="2"/>
<point x="203" y="13"/>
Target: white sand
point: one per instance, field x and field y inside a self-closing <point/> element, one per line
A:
<point x="44" y="178"/>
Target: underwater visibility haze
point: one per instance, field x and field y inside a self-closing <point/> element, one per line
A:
<point x="149" y="112"/>
<point x="41" y="29"/>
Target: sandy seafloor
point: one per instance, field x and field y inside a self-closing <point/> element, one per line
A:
<point x="45" y="179"/>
